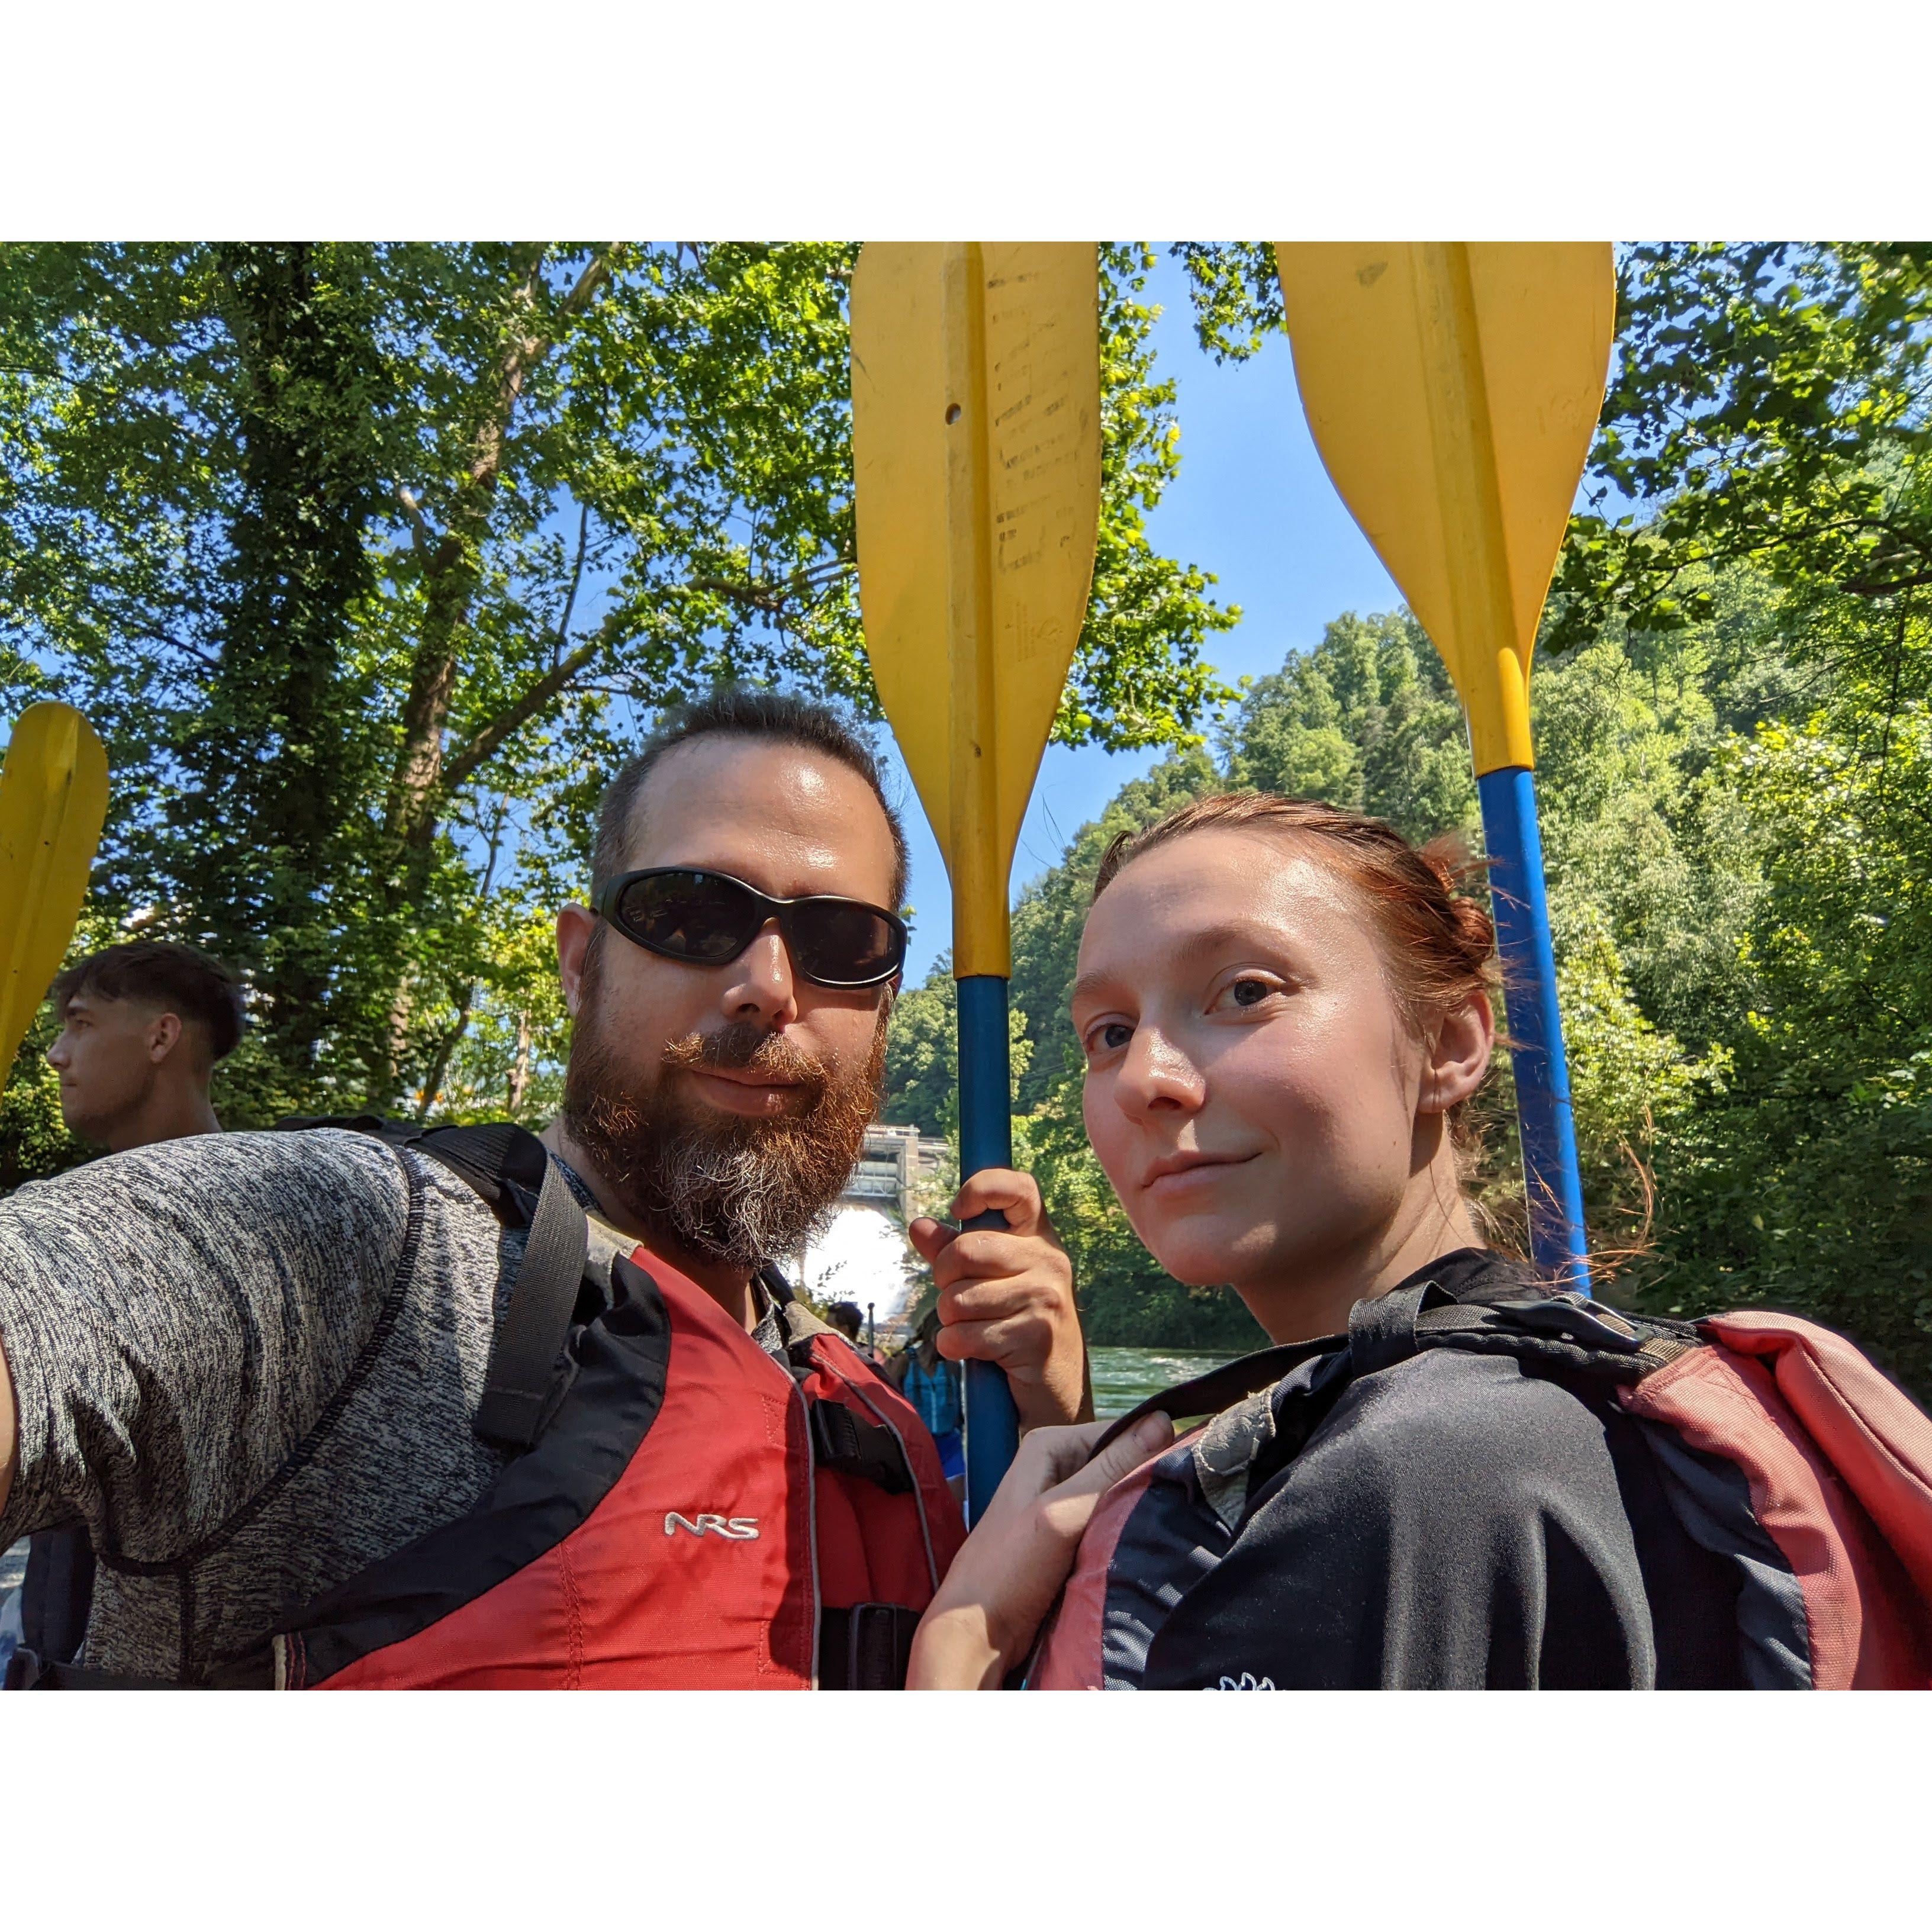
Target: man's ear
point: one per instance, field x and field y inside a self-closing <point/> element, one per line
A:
<point x="164" y="1029"/>
<point x="1459" y="1056"/>
<point x="576" y="925"/>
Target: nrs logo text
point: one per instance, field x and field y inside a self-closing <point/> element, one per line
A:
<point x="738" y="1529"/>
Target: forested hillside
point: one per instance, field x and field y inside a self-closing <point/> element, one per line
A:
<point x="1734" y="748"/>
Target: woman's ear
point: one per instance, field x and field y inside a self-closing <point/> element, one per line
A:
<point x="1459" y="1056"/>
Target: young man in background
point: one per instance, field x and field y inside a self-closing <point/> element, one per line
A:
<point x="143" y="1026"/>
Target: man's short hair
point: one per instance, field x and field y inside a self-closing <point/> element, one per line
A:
<point x="738" y="711"/>
<point x="194" y="988"/>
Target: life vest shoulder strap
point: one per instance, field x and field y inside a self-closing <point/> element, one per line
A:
<point x="844" y="1444"/>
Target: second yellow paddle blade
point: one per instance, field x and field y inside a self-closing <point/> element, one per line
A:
<point x="975" y="437"/>
<point x="1452" y="389"/>
<point x="53" y="802"/>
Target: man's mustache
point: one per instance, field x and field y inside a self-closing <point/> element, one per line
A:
<point x="743" y="1047"/>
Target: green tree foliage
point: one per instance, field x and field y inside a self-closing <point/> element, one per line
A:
<point x="371" y="561"/>
<point x="1368" y="719"/>
<point x="1732" y="743"/>
<point x="1806" y="1180"/>
<point x="1768" y="407"/>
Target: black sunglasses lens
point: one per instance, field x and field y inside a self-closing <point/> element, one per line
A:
<point x="694" y="916"/>
<point x="843" y="944"/>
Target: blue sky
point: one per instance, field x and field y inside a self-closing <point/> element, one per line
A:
<point x="1251" y="504"/>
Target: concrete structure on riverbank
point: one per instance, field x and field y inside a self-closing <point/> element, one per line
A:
<point x="896" y="1161"/>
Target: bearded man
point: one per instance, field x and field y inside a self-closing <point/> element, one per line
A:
<point x="260" y="1367"/>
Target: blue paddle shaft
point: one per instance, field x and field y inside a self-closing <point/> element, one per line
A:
<point x="985" y="1140"/>
<point x="1550" y="1173"/>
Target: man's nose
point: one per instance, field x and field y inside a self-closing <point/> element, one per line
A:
<point x="760" y="985"/>
<point x="57" y="1053"/>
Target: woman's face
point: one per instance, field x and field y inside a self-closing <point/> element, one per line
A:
<point x="1252" y="1090"/>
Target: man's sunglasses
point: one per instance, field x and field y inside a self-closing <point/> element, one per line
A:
<point x="708" y="919"/>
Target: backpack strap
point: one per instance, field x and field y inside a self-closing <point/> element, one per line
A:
<point x="536" y="1324"/>
<point x="1562" y="1333"/>
<point x="1384" y="1330"/>
<point x="1222" y="1388"/>
<point x="512" y="1170"/>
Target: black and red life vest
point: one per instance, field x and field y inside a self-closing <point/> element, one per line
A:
<point x="694" y="1514"/>
<point x="676" y="1526"/>
<point x="688" y="1512"/>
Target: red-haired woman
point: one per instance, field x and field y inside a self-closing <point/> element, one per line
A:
<point x="1285" y="1011"/>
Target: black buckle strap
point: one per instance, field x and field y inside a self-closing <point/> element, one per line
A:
<point x="27" y="1671"/>
<point x="1576" y="1318"/>
<point x="866" y="1647"/>
<point x="1222" y="1388"/>
<point x="841" y="1442"/>
<point x="1381" y="1331"/>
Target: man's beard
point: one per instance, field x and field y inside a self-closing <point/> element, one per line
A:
<point x="724" y="1187"/>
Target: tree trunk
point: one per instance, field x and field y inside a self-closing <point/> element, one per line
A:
<point x="520" y="1068"/>
<point x="273" y="767"/>
<point x="450" y="563"/>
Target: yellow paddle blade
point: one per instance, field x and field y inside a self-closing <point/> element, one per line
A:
<point x="1452" y="389"/>
<point x="53" y="802"/>
<point x="976" y="438"/>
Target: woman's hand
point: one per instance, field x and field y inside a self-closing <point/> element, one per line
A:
<point x="1004" y="1581"/>
<point x="1005" y="1294"/>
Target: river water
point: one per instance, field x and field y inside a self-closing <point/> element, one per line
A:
<point x="1123" y="1377"/>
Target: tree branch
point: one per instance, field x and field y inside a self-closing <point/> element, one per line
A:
<point x="423" y="536"/>
<point x="773" y="597"/>
<point x="523" y="352"/>
<point x="513" y="718"/>
<point x="576" y="578"/>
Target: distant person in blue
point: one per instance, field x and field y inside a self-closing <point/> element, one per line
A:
<point x="930" y="1384"/>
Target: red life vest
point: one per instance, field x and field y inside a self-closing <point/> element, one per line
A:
<point x="694" y="1516"/>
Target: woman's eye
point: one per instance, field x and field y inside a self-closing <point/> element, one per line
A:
<point x="1250" y="990"/>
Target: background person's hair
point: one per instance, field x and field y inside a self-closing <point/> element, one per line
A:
<point x="199" y="991"/>
<point x="1438" y="945"/>
<point x="847" y="1318"/>
<point x="739" y="711"/>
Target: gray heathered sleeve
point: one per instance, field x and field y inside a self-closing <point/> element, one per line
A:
<point x="176" y="1318"/>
